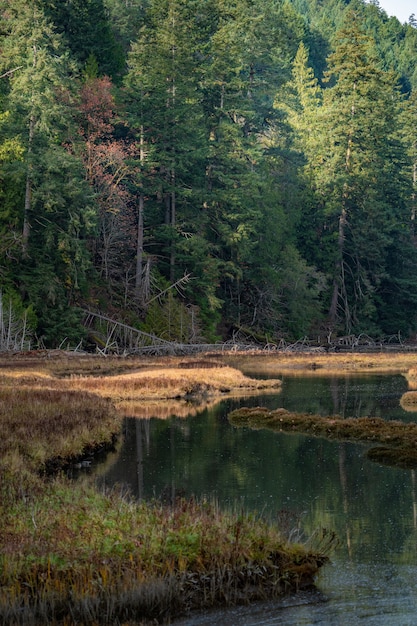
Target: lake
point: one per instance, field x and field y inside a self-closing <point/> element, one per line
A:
<point x="301" y="483"/>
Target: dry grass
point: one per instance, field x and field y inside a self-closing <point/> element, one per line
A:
<point x="69" y="554"/>
<point x="45" y="429"/>
<point x="169" y="383"/>
<point x="150" y="379"/>
<point x="324" y="364"/>
<point x="411" y="376"/>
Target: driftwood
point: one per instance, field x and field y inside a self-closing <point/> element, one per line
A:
<point x="15" y="334"/>
<point x="114" y="337"/>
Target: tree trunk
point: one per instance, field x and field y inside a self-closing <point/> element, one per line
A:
<point x="338" y="274"/>
<point x="338" y="279"/>
<point x="139" y="241"/>
<point x="28" y="190"/>
<point x="139" y="247"/>
<point x="173" y="224"/>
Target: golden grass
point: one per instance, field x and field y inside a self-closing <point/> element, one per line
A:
<point x="411" y="376"/>
<point x="324" y="364"/>
<point x="62" y="366"/>
<point x="169" y="383"/>
<point x="38" y="425"/>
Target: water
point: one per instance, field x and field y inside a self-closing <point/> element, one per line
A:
<point x="303" y="483"/>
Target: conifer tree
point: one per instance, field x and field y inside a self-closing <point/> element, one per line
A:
<point x="356" y="166"/>
<point x="52" y="200"/>
<point x="166" y="113"/>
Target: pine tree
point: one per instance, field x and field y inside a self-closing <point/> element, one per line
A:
<point x="87" y="32"/>
<point x="52" y="200"/>
<point x="166" y="113"/>
<point x="356" y="168"/>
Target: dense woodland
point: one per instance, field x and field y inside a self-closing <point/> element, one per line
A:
<point x="200" y="168"/>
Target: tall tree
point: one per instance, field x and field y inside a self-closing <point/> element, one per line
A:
<point x="106" y="152"/>
<point x="86" y="28"/>
<point x="52" y="198"/>
<point x="163" y="82"/>
<point x="356" y="166"/>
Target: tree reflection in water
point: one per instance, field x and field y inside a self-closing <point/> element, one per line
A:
<point x="372" y="508"/>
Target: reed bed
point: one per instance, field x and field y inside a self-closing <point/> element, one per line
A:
<point x="399" y="438"/>
<point x="38" y="423"/>
<point x="324" y="364"/>
<point x="411" y="376"/>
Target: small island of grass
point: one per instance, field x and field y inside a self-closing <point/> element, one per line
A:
<point x="398" y="439"/>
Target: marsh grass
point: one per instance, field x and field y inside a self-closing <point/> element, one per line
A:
<point x="170" y="383"/>
<point x="399" y="438"/>
<point x="38" y="424"/>
<point x="324" y="364"/>
<point x="70" y="554"/>
<point x="100" y="558"/>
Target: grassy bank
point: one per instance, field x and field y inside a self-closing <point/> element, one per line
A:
<point x="74" y="554"/>
<point x="70" y="554"/>
<point x="398" y="439"/>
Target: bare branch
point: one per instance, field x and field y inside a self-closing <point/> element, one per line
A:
<point x="11" y="71"/>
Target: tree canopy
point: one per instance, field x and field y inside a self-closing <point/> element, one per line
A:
<point x="199" y="169"/>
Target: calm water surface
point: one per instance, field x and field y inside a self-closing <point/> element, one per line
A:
<point x="303" y="483"/>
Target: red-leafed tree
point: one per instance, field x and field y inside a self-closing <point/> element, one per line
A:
<point x="108" y="164"/>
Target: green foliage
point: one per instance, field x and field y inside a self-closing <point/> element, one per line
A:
<point x="349" y="135"/>
<point x="260" y="148"/>
<point x="170" y="319"/>
<point x="88" y="33"/>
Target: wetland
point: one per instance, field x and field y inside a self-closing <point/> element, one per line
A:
<point x="135" y="529"/>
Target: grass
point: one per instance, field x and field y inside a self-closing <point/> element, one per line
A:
<point x="325" y="364"/>
<point x="71" y="554"/>
<point x="165" y="384"/>
<point x="408" y="401"/>
<point x="102" y="558"/>
<point x="399" y="439"/>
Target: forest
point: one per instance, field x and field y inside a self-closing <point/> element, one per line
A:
<point x="197" y="169"/>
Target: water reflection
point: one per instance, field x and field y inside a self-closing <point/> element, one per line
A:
<point x="308" y="482"/>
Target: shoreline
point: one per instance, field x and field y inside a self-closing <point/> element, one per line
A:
<point x="70" y="552"/>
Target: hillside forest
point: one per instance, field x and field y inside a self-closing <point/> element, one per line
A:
<point x="198" y="169"/>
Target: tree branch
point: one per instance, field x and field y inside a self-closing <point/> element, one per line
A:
<point x="11" y="71"/>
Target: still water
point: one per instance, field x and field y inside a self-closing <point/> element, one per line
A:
<point x="302" y="483"/>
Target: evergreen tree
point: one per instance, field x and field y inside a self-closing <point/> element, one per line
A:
<point x="50" y="197"/>
<point x="166" y="113"/>
<point x="357" y="170"/>
<point x="86" y="29"/>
